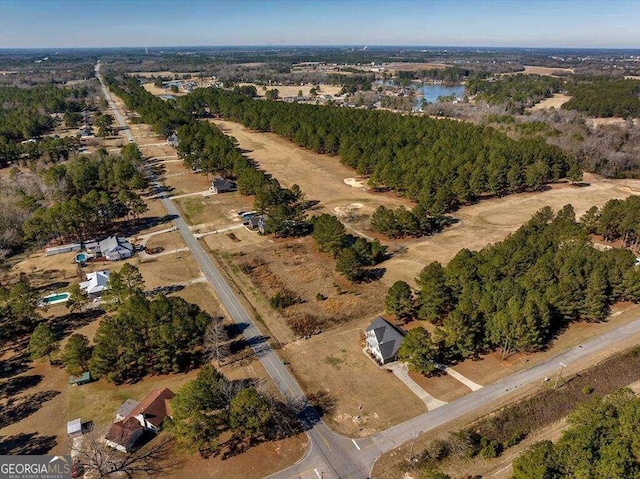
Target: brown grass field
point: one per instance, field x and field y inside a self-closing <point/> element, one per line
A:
<point x="534" y="70"/>
<point x="333" y="363"/>
<point x="322" y="177"/>
<point x="555" y="101"/>
<point x="169" y="241"/>
<point x="490" y="221"/>
<point x="292" y="90"/>
<point x="215" y="210"/>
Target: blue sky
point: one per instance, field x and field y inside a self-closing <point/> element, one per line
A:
<point x="518" y="23"/>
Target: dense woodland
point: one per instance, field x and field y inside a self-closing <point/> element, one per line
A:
<point x="602" y="441"/>
<point x="145" y="336"/>
<point x="212" y="406"/>
<point x="605" y="97"/>
<point x="517" y="294"/>
<point x="440" y="164"/>
<point x="26" y="112"/>
<point x="85" y="196"/>
<point x="515" y="91"/>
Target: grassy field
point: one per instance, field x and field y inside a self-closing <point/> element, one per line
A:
<point x="333" y="363"/>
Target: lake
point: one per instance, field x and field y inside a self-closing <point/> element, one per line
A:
<point x="432" y="92"/>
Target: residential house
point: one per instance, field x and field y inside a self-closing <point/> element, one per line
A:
<point x="221" y="185"/>
<point x="257" y="222"/>
<point x="96" y="283"/>
<point x="147" y="415"/>
<point x="173" y="140"/>
<point x="114" y="248"/>
<point x="383" y="340"/>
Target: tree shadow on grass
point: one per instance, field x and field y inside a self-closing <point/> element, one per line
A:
<point x="16" y="385"/>
<point x="29" y="444"/>
<point x="16" y="410"/>
<point x="15" y="365"/>
<point x="65" y="325"/>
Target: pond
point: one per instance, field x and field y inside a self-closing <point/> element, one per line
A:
<point x="432" y="92"/>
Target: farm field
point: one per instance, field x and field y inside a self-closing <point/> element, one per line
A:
<point x="550" y="71"/>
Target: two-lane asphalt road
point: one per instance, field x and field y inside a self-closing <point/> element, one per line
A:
<point x="331" y="456"/>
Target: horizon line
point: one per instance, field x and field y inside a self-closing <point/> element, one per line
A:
<point x="361" y="45"/>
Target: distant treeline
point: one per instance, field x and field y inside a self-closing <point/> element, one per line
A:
<point x="516" y="91"/>
<point x="605" y="97"/>
<point x="440" y="164"/>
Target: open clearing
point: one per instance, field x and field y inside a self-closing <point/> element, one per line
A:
<point x="555" y="101"/>
<point x="490" y="221"/>
<point x="214" y="210"/>
<point x="321" y="177"/>
<point x="293" y="90"/>
<point x="547" y="71"/>
<point x="365" y="397"/>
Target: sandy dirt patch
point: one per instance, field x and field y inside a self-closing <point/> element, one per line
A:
<point x="356" y="183"/>
<point x="492" y="220"/>
<point x="598" y="122"/>
<point x="555" y="101"/>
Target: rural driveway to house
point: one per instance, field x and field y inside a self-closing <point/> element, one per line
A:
<point x="331" y="456"/>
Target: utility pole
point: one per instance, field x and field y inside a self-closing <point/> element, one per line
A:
<point x="562" y="366"/>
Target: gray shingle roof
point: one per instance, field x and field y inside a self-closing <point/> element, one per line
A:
<point x="125" y="409"/>
<point x="389" y="337"/>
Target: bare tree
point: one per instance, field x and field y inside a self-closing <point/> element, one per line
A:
<point x="215" y="340"/>
<point x="100" y="460"/>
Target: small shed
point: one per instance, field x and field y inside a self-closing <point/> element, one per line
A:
<point x="85" y="378"/>
<point x="74" y="428"/>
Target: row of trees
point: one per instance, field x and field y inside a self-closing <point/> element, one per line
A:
<point x="402" y="222"/>
<point x="440" y="164"/>
<point x="605" y="97"/>
<point x="352" y="254"/>
<point x="602" y="441"/>
<point x="515" y="295"/>
<point x="52" y="150"/>
<point x="89" y="193"/>
<point x="203" y="147"/>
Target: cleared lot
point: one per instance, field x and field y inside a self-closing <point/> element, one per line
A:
<point x="362" y="397"/>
